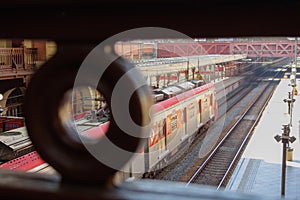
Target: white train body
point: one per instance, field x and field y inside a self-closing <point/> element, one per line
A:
<point x="175" y="122"/>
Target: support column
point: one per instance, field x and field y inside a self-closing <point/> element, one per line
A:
<point x="178" y="76"/>
<point x="193" y="71"/>
<point x="187" y="70"/>
<point x="169" y="77"/>
<point x="157" y="80"/>
<point x="210" y="73"/>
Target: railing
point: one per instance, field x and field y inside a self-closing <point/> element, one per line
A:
<point x="11" y="58"/>
<point x="16" y="58"/>
<point x="31" y="57"/>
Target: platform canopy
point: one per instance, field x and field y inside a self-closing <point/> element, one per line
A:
<point x="151" y="67"/>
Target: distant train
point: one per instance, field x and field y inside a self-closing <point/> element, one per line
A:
<point x="10" y="122"/>
<point x="14" y="143"/>
<point x="181" y="110"/>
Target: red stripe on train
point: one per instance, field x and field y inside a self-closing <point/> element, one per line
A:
<point x="98" y="131"/>
<point x="24" y="163"/>
<point x="174" y="100"/>
<point x="33" y="159"/>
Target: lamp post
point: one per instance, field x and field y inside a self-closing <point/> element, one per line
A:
<point x="285" y="139"/>
<point x="290" y="100"/>
<point x="187" y="69"/>
<point x="193" y="71"/>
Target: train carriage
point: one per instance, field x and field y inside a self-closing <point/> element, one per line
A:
<point x="175" y="122"/>
<point x="14" y="143"/>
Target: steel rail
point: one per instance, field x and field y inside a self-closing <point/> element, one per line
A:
<point x="244" y="141"/>
<point x="224" y="138"/>
<point x="220" y="143"/>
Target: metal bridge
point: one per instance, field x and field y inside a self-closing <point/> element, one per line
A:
<point x="251" y="49"/>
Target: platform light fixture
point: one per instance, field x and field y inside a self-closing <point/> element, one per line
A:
<point x="285" y="139"/>
<point x="277" y="138"/>
<point x="292" y="139"/>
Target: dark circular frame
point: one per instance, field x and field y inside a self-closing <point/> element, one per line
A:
<point x="52" y="139"/>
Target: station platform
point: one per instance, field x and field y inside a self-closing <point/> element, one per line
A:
<point x="259" y="170"/>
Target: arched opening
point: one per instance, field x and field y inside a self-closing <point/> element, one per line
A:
<point x="12" y="102"/>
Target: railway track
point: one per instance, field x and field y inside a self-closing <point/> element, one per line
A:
<point x="179" y="167"/>
<point x="184" y="168"/>
<point x="217" y="168"/>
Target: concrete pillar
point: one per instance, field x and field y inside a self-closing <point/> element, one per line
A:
<point x="187" y="70"/>
<point x="157" y="80"/>
<point x="193" y="71"/>
<point x="169" y="78"/>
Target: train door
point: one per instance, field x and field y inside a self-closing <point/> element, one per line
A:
<point x="200" y="111"/>
<point x="205" y="115"/>
<point x="185" y="121"/>
<point x="162" y="143"/>
<point x="215" y="107"/>
<point x="165" y="135"/>
<point x="211" y="105"/>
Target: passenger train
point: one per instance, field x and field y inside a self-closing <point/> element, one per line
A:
<point x="177" y="118"/>
<point x="181" y="110"/>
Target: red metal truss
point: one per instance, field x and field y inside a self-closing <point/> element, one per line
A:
<point x="191" y="49"/>
<point x="216" y="48"/>
<point x="252" y="49"/>
<point x="267" y="49"/>
<point x="179" y="49"/>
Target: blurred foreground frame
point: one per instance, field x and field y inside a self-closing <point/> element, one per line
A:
<point x="90" y="22"/>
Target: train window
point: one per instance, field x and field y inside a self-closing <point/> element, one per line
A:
<point x="164" y="127"/>
<point x="191" y="110"/>
<point x="160" y="129"/>
<point x="165" y="133"/>
<point x="174" y="122"/>
<point x="184" y="115"/>
<point x="205" y="104"/>
<point x="153" y="137"/>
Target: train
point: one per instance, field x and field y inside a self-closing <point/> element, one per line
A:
<point x="10" y="122"/>
<point x="184" y="109"/>
<point x="14" y="143"/>
<point x="181" y="111"/>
